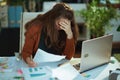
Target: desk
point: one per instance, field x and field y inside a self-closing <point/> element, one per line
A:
<point x="105" y="73"/>
<point x="99" y="73"/>
<point x="11" y="70"/>
<point x="15" y="65"/>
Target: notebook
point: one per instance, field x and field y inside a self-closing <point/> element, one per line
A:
<point x="95" y="52"/>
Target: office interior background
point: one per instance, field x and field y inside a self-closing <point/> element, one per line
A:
<point x="10" y="22"/>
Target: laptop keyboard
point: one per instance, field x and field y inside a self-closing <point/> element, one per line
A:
<point x="77" y="66"/>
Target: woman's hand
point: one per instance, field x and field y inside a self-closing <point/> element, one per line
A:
<point x="30" y="62"/>
<point x="65" y="25"/>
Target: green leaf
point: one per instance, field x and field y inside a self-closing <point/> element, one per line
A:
<point x="118" y="29"/>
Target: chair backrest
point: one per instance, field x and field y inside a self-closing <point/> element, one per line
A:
<point x="25" y="17"/>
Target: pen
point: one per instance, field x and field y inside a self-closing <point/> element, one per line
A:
<point x="62" y="64"/>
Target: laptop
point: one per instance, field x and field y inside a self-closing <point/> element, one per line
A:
<point x="95" y="52"/>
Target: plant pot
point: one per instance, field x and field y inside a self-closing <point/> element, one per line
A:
<point x="94" y="33"/>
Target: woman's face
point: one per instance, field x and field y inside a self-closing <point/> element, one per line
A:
<point x="60" y="20"/>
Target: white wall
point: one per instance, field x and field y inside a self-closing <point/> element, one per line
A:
<point x="116" y="34"/>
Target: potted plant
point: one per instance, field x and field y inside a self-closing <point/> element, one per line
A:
<point x="97" y="18"/>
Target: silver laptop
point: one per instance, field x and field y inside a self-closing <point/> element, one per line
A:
<point x="95" y="52"/>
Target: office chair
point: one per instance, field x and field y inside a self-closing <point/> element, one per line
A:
<point x="26" y="16"/>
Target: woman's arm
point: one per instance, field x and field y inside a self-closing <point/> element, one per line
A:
<point x="30" y="42"/>
<point x="69" y="50"/>
<point x="70" y="43"/>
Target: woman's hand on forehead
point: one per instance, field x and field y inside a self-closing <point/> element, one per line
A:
<point x="64" y="20"/>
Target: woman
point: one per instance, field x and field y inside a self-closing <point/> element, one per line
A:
<point x="54" y="32"/>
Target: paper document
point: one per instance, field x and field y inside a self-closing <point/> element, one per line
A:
<point x="37" y="73"/>
<point x="53" y="65"/>
<point x="42" y="56"/>
<point x="65" y="72"/>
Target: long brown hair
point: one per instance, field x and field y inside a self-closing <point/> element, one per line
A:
<point x="56" y="38"/>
